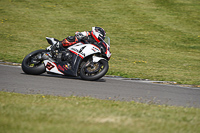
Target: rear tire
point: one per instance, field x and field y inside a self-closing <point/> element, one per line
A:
<point x="94" y="74"/>
<point x="32" y="65"/>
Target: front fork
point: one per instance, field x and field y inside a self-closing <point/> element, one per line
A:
<point x="93" y="64"/>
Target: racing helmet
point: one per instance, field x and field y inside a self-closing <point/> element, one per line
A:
<point x="98" y="33"/>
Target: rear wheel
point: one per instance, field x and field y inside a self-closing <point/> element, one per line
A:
<point x="94" y="70"/>
<point x="33" y="64"/>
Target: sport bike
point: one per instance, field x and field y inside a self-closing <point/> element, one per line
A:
<point x="88" y="61"/>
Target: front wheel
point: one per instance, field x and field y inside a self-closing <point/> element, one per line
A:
<point x="94" y="70"/>
<point x="33" y="64"/>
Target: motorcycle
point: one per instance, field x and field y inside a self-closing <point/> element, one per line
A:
<point x="88" y="61"/>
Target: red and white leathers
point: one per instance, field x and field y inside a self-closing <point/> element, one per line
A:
<point x="94" y="37"/>
<point x="79" y="36"/>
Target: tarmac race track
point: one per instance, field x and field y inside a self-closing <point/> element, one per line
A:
<point x="12" y="79"/>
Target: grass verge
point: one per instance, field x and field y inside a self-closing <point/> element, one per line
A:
<point x="49" y="114"/>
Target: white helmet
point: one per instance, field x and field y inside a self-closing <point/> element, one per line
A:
<point x="98" y="33"/>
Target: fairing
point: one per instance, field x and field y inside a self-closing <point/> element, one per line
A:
<point x="79" y="52"/>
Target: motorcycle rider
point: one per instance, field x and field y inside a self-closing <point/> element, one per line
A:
<point x="96" y="36"/>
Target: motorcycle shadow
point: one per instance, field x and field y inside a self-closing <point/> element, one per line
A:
<point x="66" y="77"/>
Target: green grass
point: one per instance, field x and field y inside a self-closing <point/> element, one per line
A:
<point x="150" y="39"/>
<point x="49" y="114"/>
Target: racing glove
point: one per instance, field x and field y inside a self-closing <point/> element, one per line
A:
<point x="81" y="35"/>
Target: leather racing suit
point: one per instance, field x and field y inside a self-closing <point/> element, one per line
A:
<point x="85" y="37"/>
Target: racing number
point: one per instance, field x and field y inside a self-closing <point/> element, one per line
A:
<point x="49" y="66"/>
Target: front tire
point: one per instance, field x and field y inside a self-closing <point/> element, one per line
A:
<point x="94" y="72"/>
<point x="32" y="64"/>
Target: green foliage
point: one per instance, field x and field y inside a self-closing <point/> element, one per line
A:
<point x="164" y="34"/>
<point x="49" y="114"/>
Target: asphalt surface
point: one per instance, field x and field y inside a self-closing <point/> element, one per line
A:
<point x="12" y="79"/>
